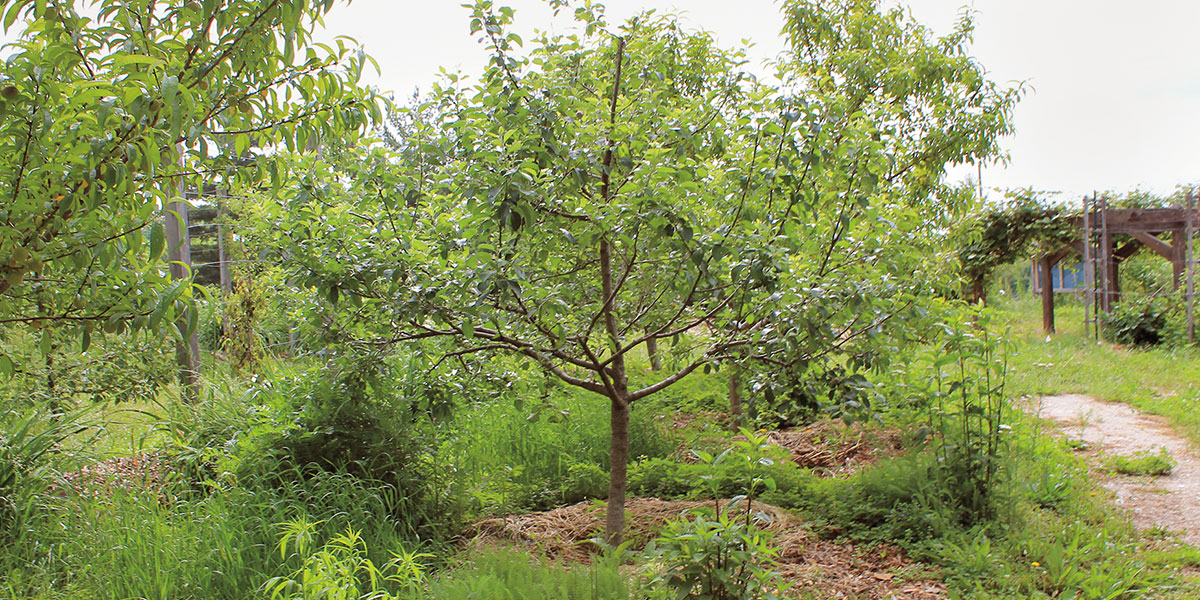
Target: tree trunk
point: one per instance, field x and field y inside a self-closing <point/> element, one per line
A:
<point x="978" y="292"/>
<point x="735" y="395"/>
<point x="652" y="353"/>
<point x="179" y="253"/>
<point x="618" y="457"/>
<point x="615" y="376"/>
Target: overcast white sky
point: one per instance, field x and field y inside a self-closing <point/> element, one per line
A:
<point x="1115" y="84"/>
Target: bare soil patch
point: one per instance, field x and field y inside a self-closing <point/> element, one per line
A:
<point x="829" y="569"/>
<point x="1170" y="502"/>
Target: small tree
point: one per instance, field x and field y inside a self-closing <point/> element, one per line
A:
<point x="93" y="105"/>
<point x="633" y="184"/>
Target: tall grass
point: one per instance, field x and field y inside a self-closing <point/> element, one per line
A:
<point x="509" y="574"/>
<point x="510" y="459"/>
<point x="119" y="544"/>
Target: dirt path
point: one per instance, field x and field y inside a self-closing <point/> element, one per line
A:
<point x="1111" y="429"/>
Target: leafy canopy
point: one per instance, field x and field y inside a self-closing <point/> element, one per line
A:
<point x="96" y="106"/>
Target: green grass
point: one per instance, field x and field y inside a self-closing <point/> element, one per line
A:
<point x="1162" y="381"/>
<point x="119" y="544"/>
<point x="510" y="458"/>
<point x="1154" y="464"/>
<point x="510" y="574"/>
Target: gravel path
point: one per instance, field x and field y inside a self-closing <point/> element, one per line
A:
<point x="1113" y="428"/>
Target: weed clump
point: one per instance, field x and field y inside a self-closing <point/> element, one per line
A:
<point x="1154" y="464"/>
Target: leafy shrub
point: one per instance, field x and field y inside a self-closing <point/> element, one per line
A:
<point x="895" y="501"/>
<point x="727" y="557"/>
<point x="584" y="481"/>
<point x="1048" y="487"/>
<point x="219" y="544"/>
<point x="1141" y="321"/>
<point x="341" y="568"/>
<point x="53" y="373"/>
<point x="26" y="440"/>
<point x="806" y="391"/>
<point x="722" y="558"/>
<point x="662" y="478"/>
<point x="342" y="418"/>
<point x="666" y="478"/>
<point x="1143" y="463"/>
<point x="966" y="412"/>
<point x="1075" y="560"/>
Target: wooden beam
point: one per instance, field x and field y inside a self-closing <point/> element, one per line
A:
<point x="1152" y="242"/>
<point x="1107" y="263"/>
<point x="1057" y="256"/>
<point x="1126" y="250"/>
<point x="1178" y="258"/>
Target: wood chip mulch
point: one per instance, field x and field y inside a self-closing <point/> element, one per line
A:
<point x="830" y="569"/>
<point x="832" y="448"/>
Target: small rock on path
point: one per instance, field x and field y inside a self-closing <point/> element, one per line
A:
<point x="1171" y="501"/>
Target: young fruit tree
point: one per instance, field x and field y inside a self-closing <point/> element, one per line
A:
<point x="98" y="100"/>
<point x="637" y="183"/>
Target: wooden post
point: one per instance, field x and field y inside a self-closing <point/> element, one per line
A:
<point x="222" y="246"/>
<point x="223" y="265"/>
<point x="1178" y="258"/>
<point x="1047" y="279"/>
<point x="179" y="253"/>
<point x="1189" y="260"/>
<point x="1088" y="274"/>
<point x="1106" y="258"/>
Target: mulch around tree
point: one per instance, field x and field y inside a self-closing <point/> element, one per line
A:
<point x="832" y="448"/>
<point x="140" y="473"/>
<point x="829" y="569"/>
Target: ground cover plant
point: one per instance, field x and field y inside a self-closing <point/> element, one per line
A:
<point x="1143" y="463"/>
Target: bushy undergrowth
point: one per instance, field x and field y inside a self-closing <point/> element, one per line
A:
<point x="390" y="450"/>
<point x="1145" y="321"/>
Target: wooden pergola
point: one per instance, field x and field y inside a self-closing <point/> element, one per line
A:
<point x="1168" y="232"/>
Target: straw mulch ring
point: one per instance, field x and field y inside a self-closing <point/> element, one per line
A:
<point x="565" y="532"/>
<point x="141" y="472"/>
<point x="834" y="448"/>
<point x="830" y="569"/>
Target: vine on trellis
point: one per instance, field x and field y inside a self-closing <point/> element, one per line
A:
<point x="996" y="235"/>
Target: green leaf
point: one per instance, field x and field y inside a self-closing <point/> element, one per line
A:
<point x="158" y="241"/>
<point x="167" y="301"/>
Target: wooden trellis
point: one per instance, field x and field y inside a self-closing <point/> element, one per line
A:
<point x="1102" y="254"/>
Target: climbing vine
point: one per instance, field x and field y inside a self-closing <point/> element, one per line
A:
<point x="999" y="234"/>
